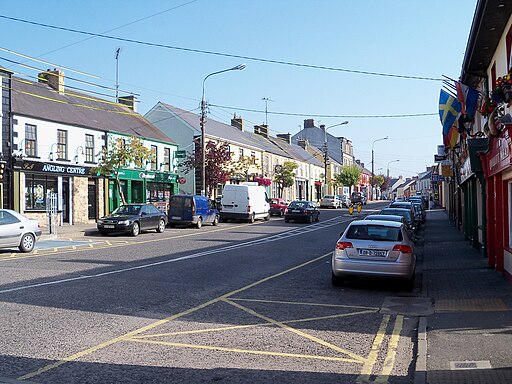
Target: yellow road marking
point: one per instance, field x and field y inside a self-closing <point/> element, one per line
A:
<point x="219" y="329"/>
<point x="135" y="332"/>
<point x="247" y="351"/>
<point x="392" y="348"/>
<point x="356" y="358"/>
<point x="303" y="303"/>
<point x="367" y="368"/>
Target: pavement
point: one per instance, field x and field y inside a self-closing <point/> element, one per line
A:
<point x="466" y="337"/>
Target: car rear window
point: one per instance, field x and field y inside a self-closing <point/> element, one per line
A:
<point x="297" y="204"/>
<point x="181" y="201"/>
<point x="374" y="232"/>
<point x="275" y="201"/>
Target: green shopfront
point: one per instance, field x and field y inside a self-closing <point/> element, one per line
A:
<point x="141" y="186"/>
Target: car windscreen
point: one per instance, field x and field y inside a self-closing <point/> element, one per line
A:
<point x="374" y="232"/>
<point x="298" y="204"/>
<point x="128" y="210"/>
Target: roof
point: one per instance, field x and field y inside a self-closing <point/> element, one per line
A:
<point x="40" y="101"/>
<point x="234" y="135"/>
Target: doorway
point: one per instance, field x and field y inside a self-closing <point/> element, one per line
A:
<point x="65" y="200"/>
<point x="92" y="200"/>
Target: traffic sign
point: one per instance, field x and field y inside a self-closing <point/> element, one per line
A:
<point x="180" y="154"/>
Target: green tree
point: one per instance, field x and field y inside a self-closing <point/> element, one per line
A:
<point x="119" y="154"/>
<point x="242" y="167"/>
<point x="349" y="176"/>
<point x="284" y="176"/>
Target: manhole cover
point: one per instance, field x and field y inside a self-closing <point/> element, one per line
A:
<point x="459" y="365"/>
<point x="408" y="306"/>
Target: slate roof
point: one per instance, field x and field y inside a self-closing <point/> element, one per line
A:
<point x="38" y="100"/>
<point x="234" y="135"/>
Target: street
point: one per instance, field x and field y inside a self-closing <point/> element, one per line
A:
<point x="235" y="303"/>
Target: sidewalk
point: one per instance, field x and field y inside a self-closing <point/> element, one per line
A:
<point x="76" y="231"/>
<point x="469" y="336"/>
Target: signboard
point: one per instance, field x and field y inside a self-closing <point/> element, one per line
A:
<point x="438" y="158"/>
<point x="446" y="170"/>
<point x="54" y="168"/>
<point x="437" y="178"/>
<point x="182" y="180"/>
<point x="180" y="154"/>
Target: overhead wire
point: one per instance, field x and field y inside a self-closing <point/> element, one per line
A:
<point x="221" y="54"/>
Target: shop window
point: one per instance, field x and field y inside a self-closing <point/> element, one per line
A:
<point x="154" y="157"/>
<point x="89" y="148"/>
<point x="30" y="140"/>
<point x="509" y="240"/>
<point x="36" y="188"/>
<point x="62" y="144"/>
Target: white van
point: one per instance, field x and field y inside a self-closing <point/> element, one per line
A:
<point x="244" y="201"/>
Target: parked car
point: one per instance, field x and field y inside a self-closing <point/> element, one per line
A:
<point x="408" y="205"/>
<point x="301" y="210"/>
<point x="192" y="210"/>
<point x="245" y="201"/>
<point x="396" y="218"/>
<point x="17" y="230"/>
<point x="402" y="212"/>
<point x="345" y="200"/>
<point x="358" y="198"/>
<point x="133" y="218"/>
<point x="330" y="201"/>
<point x="374" y="248"/>
<point x="278" y="206"/>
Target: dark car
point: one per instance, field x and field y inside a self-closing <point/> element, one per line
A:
<point x="192" y="210"/>
<point x="133" y="218"/>
<point x="301" y="210"/>
<point x="358" y="198"/>
<point x="402" y="212"/>
<point x="278" y="206"/>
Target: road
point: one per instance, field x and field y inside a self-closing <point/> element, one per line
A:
<point x="236" y="303"/>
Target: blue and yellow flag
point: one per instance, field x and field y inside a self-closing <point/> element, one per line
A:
<point x="449" y="109"/>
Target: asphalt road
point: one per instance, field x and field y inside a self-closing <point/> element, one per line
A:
<point x="236" y="303"/>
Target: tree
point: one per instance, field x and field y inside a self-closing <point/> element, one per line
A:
<point x="385" y="183"/>
<point x="284" y="176"/>
<point x="349" y="176"/>
<point x="217" y="161"/>
<point x="241" y="168"/>
<point x="119" y="154"/>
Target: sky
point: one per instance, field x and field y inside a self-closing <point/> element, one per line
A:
<point x="366" y="62"/>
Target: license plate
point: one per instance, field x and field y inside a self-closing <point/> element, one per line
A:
<point x="295" y="210"/>
<point x="176" y="217"/>
<point x="109" y="226"/>
<point x="371" y="252"/>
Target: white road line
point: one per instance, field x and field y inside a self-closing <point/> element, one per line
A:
<point x="292" y="233"/>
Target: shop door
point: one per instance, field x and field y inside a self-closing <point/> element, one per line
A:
<point x="92" y="201"/>
<point x="65" y="200"/>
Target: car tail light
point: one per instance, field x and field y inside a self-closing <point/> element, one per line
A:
<point x="193" y="208"/>
<point x="402" y="248"/>
<point x="341" y="245"/>
<point x="248" y="208"/>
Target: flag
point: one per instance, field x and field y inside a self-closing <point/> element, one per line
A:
<point x="449" y="109"/>
<point x="468" y="98"/>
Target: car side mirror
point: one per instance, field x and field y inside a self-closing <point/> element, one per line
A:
<point x="143" y="213"/>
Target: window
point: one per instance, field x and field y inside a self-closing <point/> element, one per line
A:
<point x="30" y="140"/>
<point x="89" y="148"/>
<point x="167" y="159"/>
<point x="240" y="153"/>
<point x="8" y="218"/>
<point x="62" y="144"/>
<point x="154" y="157"/>
<point x="253" y="157"/>
<point x="36" y="188"/>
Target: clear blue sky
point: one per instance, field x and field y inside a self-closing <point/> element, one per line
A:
<point x="402" y="37"/>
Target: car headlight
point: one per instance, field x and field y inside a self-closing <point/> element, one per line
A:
<point x="124" y="222"/>
<point x="100" y="221"/>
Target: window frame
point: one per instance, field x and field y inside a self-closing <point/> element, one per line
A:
<point x="89" y="149"/>
<point x="30" y="140"/>
<point x="62" y="144"/>
<point x="154" y="160"/>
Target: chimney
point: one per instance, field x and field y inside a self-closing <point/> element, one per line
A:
<point x="261" y="130"/>
<point x="322" y="127"/>
<point x="303" y="143"/>
<point x="285" y="136"/>
<point x="55" y="79"/>
<point x="129" y="101"/>
<point x="309" y="123"/>
<point x="237" y="122"/>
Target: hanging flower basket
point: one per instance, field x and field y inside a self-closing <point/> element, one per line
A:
<point x="262" y="181"/>
<point x="487" y="106"/>
<point x="503" y="89"/>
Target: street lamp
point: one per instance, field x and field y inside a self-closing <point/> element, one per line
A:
<point x="392" y="161"/>
<point x="325" y="152"/>
<point x="239" y="67"/>
<point x="371" y="186"/>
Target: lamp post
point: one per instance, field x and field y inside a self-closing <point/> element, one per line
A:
<point x="392" y="161"/>
<point x="325" y="152"/>
<point x="371" y="186"/>
<point x="203" y="125"/>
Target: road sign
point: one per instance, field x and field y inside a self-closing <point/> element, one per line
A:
<point x="182" y="180"/>
<point x="180" y="154"/>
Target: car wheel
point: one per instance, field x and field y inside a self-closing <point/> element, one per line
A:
<point x="309" y="218"/>
<point x="215" y="221"/>
<point x="27" y="243"/>
<point x="161" y="226"/>
<point x="281" y="213"/>
<point x="199" y="223"/>
<point x="317" y="218"/>
<point x="135" y="229"/>
<point x="336" y="280"/>
<point x="251" y="220"/>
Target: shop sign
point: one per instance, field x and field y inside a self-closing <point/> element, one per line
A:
<point x="465" y="170"/>
<point x="499" y="157"/>
<point x="34" y="166"/>
<point x="151" y="176"/>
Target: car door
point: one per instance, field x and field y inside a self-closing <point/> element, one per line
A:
<point x="145" y="218"/>
<point x="154" y="216"/>
<point x="10" y="230"/>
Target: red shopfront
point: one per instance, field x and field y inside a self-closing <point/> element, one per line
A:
<point x="497" y="165"/>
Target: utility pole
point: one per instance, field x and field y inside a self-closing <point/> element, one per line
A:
<point x="118" y="51"/>
<point x="266" y="100"/>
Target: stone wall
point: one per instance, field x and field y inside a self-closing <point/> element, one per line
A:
<point x="80" y="200"/>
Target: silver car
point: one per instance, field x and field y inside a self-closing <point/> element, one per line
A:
<point x="17" y="230"/>
<point x="374" y="248"/>
<point x="330" y="201"/>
